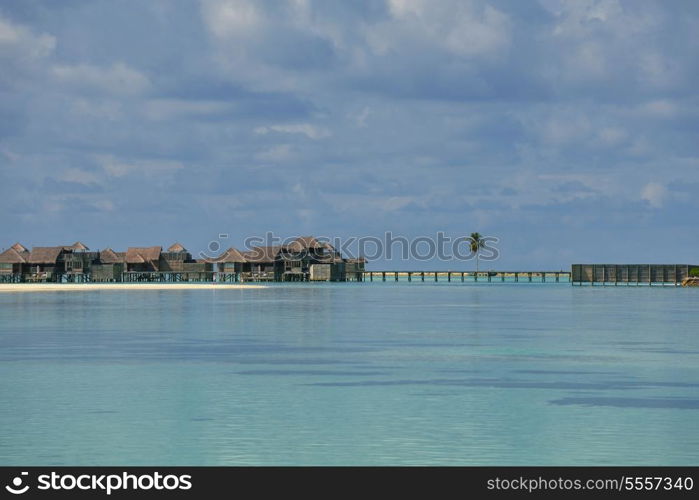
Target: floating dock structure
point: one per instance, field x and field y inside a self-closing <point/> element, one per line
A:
<point x="632" y="274"/>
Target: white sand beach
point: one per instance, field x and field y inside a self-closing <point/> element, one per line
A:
<point x="87" y="287"/>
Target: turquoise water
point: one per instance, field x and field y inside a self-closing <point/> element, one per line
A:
<point x="365" y="373"/>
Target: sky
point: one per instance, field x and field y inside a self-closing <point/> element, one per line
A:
<point x="569" y="130"/>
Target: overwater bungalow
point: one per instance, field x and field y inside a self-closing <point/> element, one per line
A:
<point x="45" y="263"/>
<point x="304" y="259"/>
<point x="354" y="269"/>
<point x="232" y="262"/>
<point x="143" y="259"/>
<point x="12" y="261"/>
<point x="110" y="268"/>
<point x="59" y="263"/>
<point x="174" y="265"/>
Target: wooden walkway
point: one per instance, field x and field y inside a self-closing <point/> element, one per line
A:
<point x="471" y="276"/>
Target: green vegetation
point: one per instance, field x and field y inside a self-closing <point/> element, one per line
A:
<point x="694" y="272"/>
<point x="476" y="245"/>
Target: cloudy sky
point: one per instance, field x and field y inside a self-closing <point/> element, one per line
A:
<point x="570" y="130"/>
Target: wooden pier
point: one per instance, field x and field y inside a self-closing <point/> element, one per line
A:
<point x="179" y="277"/>
<point x="470" y="276"/>
<point x="580" y="274"/>
<point x="632" y="274"/>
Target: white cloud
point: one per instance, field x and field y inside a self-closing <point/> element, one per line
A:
<point x="583" y="18"/>
<point x="9" y="155"/>
<point x="565" y="126"/>
<point x="655" y="194"/>
<point x="276" y="153"/>
<point x="79" y="176"/>
<point x="402" y="8"/>
<point x="595" y="38"/>
<point x="590" y="61"/>
<point x="102" y="109"/>
<point x="64" y="203"/>
<point x="165" y="109"/>
<point x="659" y="70"/>
<point x="465" y="28"/>
<point x="103" y="205"/>
<point x="19" y="41"/>
<point x="240" y="30"/>
<point x="117" y="78"/>
<point x="578" y="19"/>
<point x="116" y="168"/>
<point x="659" y="108"/>
<point x="361" y="118"/>
<point x="397" y="203"/>
<point x="556" y="188"/>
<point x="230" y="18"/>
<point x="611" y="136"/>
<point x="310" y="131"/>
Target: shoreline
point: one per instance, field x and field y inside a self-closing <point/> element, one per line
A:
<point x="85" y="287"/>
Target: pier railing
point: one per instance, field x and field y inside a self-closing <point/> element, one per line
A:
<point x="580" y="274"/>
<point x="471" y="276"/>
<point x="209" y="276"/>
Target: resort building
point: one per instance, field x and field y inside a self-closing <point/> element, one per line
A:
<point x="46" y="263"/>
<point x="304" y="259"/>
<point x="232" y="262"/>
<point x="12" y="260"/>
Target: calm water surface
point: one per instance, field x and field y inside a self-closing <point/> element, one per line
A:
<point x="373" y="373"/>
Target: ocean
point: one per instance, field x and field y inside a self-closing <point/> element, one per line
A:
<point x="352" y="374"/>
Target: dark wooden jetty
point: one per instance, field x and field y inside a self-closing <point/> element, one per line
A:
<point x="471" y="276"/>
<point x="632" y="274"/>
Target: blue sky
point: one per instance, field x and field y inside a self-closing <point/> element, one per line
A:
<point x="570" y="130"/>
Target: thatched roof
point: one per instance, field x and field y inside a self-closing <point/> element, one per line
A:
<point x="78" y="246"/>
<point x="140" y="255"/>
<point x="12" y="256"/>
<point x="18" y="247"/>
<point x="305" y="243"/>
<point x="45" y="255"/>
<point x="177" y="248"/>
<point x="233" y="255"/>
<point x="262" y="255"/>
<point x="359" y="260"/>
<point x="330" y="258"/>
<point x="109" y="256"/>
<point x="691" y="281"/>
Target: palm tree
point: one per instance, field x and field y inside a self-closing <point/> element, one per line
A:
<point x="477" y="243"/>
